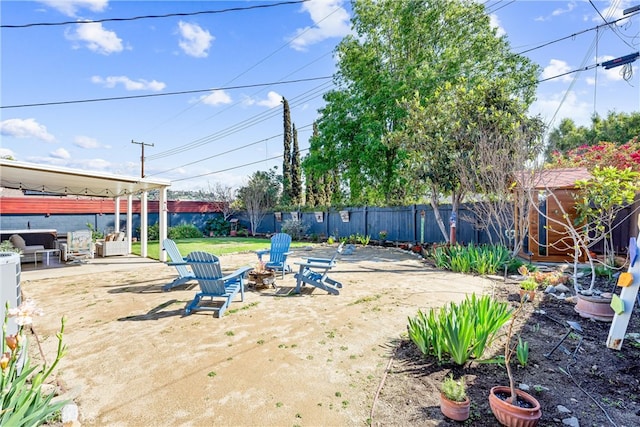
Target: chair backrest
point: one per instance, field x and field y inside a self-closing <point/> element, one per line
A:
<point x="338" y="252"/>
<point x="280" y="243"/>
<point x="174" y="253"/>
<point x="207" y="271"/>
<point x="79" y="241"/>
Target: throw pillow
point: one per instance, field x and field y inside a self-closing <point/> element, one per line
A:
<point x="18" y="241"/>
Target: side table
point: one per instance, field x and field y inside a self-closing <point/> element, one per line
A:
<point x="46" y="252"/>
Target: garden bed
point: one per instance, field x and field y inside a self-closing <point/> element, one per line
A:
<point x="599" y="386"/>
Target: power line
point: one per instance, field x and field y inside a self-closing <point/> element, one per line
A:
<point x="574" y="35"/>
<point x="240" y="126"/>
<point x="168" y="15"/>
<point x="153" y="95"/>
<point x="229" y="151"/>
<point x="234" y="167"/>
<point x="612" y="27"/>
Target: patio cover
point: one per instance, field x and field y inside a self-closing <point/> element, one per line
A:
<point x="56" y="180"/>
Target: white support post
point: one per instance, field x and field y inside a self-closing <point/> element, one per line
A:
<point x="144" y="221"/>
<point x="628" y="296"/>
<point x="117" y="215"/>
<point x="162" y="222"/>
<point x="129" y="220"/>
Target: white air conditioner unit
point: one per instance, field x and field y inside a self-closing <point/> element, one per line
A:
<point x="9" y="285"/>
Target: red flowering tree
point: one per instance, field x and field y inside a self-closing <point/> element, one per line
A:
<point x="603" y="154"/>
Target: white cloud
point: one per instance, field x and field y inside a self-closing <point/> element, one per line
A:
<point x="561" y="11"/>
<point x="273" y="100"/>
<point x="611" y="12"/>
<point x="25" y="128"/>
<point x="5" y="152"/>
<point x="547" y="105"/>
<point x="95" y="38"/>
<point x="557" y="12"/>
<point x="140" y="84"/>
<point x="216" y="97"/>
<point x="557" y="67"/>
<point x="86" y="142"/>
<point x="494" y="21"/>
<point x="329" y="18"/>
<point x="194" y="40"/>
<point x="71" y="7"/>
<point x="60" y="153"/>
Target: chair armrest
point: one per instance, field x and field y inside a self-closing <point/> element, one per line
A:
<point x="238" y="273"/>
<point x="177" y="263"/>
<point x="325" y="260"/>
<point x="327" y="265"/>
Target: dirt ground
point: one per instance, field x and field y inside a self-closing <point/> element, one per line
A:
<point x="134" y="359"/>
<point x="598" y="387"/>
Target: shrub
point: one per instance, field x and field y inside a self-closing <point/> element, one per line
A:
<point x="153" y="232"/>
<point x="295" y="228"/>
<point x="459" y="331"/>
<point x="184" y="231"/>
<point x="23" y="403"/>
<point x="453" y="389"/>
<point x="481" y="259"/>
<point x="7" y="246"/>
<point x="218" y="226"/>
<point x="529" y="284"/>
<point x="363" y="240"/>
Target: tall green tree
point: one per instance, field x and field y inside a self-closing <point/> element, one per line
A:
<point x="402" y="55"/>
<point x="617" y="128"/>
<point x="471" y="140"/>
<point x="296" y="172"/>
<point x="286" y="154"/>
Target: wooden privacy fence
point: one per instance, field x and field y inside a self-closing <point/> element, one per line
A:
<point x="415" y="223"/>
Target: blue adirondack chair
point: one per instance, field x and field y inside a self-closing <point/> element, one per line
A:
<point x="280" y="243"/>
<point x="313" y="271"/>
<point x="184" y="274"/>
<point x="213" y="284"/>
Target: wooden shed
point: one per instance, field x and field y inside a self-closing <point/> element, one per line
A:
<point x="553" y="191"/>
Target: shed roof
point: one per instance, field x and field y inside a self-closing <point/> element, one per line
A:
<point x="553" y="178"/>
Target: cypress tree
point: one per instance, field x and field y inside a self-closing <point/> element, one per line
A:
<point x="296" y="174"/>
<point x="286" y="157"/>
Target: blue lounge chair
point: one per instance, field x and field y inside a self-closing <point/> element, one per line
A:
<point x="313" y="271"/>
<point x="280" y="243"/>
<point x="184" y="274"/>
<point x="207" y="271"/>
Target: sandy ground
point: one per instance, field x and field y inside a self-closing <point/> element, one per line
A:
<point x="134" y="359"/>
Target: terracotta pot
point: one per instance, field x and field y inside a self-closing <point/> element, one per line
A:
<point x="594" y="307"/>
<point x="457" y="411"/>
<point x="531" y="293"/>
<point x="511" y="415"/>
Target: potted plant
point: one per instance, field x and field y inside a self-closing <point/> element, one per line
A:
<point x="528" y="287"/>
<point x="454" y="402"/>
<point x="513" y="407"/>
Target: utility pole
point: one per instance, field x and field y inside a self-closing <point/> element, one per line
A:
<point x="141" y="144"/>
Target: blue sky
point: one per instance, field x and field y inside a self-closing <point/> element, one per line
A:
<point x="222" y="136"/>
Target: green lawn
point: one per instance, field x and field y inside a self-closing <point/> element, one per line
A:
<point x="214" y="245"/>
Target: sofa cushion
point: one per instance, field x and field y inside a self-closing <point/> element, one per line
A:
<point x="17" y="241"/>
